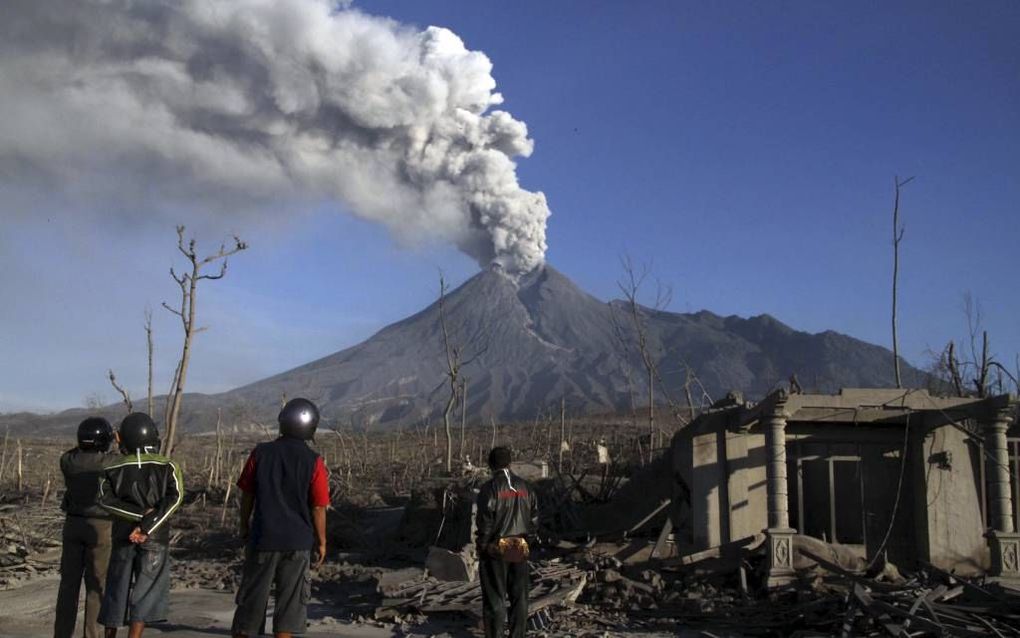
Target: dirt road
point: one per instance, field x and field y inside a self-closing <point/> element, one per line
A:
<point x="27" y="612"/>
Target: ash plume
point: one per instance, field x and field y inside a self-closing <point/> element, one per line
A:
<point x="247" y="102"/>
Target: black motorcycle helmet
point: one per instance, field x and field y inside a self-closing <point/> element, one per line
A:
<point x="138" y="433"/>
<point x="298" y="419"/>
<point x="95" y="433"/>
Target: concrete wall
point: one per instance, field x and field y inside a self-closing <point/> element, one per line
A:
<point x="748" y="506"/>
<point x="726" y="475"/>
<point x="708" y="481"/>
<point x="939" y="515"/>
<point x="952" y="508"/>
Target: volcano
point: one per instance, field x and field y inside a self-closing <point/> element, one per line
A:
<point x="529" y="343"/>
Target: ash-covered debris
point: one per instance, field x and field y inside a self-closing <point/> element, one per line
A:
<point x="553" y="583"/>
<point x="29" y="543"/>
<point x="628" y="576"/>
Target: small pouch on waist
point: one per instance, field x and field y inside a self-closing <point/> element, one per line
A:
<point x="512" y="549"/>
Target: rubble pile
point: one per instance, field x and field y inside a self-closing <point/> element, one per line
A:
<point x="827" y="600"/>
<point x="591" y="590"/>
<point x="553" y="584"/>
<point x="218" y="575"/>
<point x="29" y="543"/>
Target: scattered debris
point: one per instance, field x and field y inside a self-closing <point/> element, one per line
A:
<point x="29" y="542"/>
<point x="552" y="585"/>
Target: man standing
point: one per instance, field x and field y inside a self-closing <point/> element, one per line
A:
<point x="142" y="489"/>
<point x="507" y="516"/>
<point x="286" y="485"/>
<point x="86" y="537"/>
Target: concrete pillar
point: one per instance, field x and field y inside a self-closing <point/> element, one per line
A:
<point x="1000" y="496"/>
<point x="779" y="533"/>
<point x="1003" y="541"/>
<point x="775" y="470"/>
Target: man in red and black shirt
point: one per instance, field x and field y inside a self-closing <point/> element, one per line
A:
<point x="286" y="485"/>
<point x="507" y="516"/>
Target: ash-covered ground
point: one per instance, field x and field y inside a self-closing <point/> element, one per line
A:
<point x="400" y="561"/>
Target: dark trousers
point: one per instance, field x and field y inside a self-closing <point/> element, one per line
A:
<point x="502" y="582"/>
<point x="86" y="554"/>
<point x="287" y="572"/>
<point x="137" y="584"/>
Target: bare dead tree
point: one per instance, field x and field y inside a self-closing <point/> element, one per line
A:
<point x="953" y="367"/>
<point x="971" y="374"/>
<point x="463" y="414"/>
<point x="563" y="433"/>
<point x="125" y="397"/>
<point x="149" y="350"/>
<point x="630" y="286"/>
<point x="94" y="401"/>
<point x="188" y="283"/>
<point x="897" y="236"/>
<point x="688" y="380"/>
<point x="454" y="364"/>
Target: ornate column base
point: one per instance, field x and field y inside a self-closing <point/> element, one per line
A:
<point x="1005" y="549"/>
<point x="780" y="557"/>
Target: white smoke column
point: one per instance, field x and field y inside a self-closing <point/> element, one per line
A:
<point x="185" y="100"/>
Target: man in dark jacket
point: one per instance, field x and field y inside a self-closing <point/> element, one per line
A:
<point x="142" y="490"/>
<point x="86" y="537"/>
<point x="507" y="516"/>
<point x="286" y="484"/>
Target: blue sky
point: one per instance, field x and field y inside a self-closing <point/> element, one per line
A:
<point x="747" y="150"/>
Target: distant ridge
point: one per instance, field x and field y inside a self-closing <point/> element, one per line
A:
<point x="538" y="340"/>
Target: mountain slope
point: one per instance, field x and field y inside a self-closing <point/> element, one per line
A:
<point x="533" y="342"/>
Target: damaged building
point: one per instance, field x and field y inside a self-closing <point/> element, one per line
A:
<point x="914" y="477"/>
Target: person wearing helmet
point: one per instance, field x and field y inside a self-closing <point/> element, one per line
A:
<point x="86" y="536"/>
<point x="141" y="489"/>
<point x="285" y="484"/>
<point x="507" y="516"/>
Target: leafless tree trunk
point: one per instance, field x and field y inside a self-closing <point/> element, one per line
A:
<point x="630" y="286"/>
<point x="218" y="462"/>
<point x="3" y="455"/>
<point x="21" y="475"/>
<point x="976" y="371"/>
<point x="454" y="364"/>
<point x="452" y="372"/>
<point x="46" y="490"/>
<point x="563" y="432"/>
<point x="688" y="379"/>
<point x="897" y="237"/>
<point x="463" y="414"/>
<point x="149" y="350"/>
<point x="123" y="393"/>
<point x="981" y="382"/>
<point x="954" y="369"/>
<point x="188" y="283"/>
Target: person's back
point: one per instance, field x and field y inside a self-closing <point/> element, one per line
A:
<point x="509" y="507"/>
<point x="82" y="470"/>
<point x="86" y="534"/>
<point x="281" y="472"/>
<point x="285" y="484"/>
<point x="507" y="516"/>
<point x="142" y="489"/>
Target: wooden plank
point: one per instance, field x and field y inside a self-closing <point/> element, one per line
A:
<point x="660" y="543"/>
<point x="661" y="506"/>
<point x="968" y="585"/>
<point x="869" y="604"/>
<point x="923" y="622"/>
